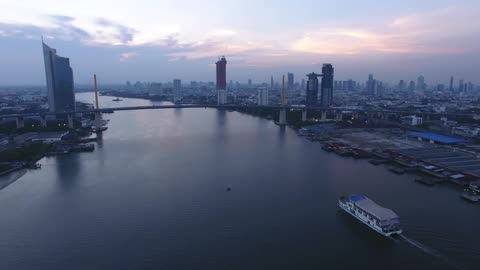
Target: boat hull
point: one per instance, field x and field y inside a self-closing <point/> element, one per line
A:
<point x="471" y="197"/>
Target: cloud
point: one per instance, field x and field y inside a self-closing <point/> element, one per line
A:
<point x="438" y="31"/>
<point x="98" y="31"/>
<point x="223" y="33"/>
<point x="109" y="32"/>
<point x="348" y="41"/>
<point x="127" y="55"/>
<point x="451" y="30"/>
<point x="59" y="27"/>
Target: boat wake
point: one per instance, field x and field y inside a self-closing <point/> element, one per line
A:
<point x="429" y="251"/>
<point x="420" y="246"/>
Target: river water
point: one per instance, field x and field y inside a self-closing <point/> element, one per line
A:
<point x="153" y="196"/>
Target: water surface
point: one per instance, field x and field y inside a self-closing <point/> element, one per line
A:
<point x="153" y="196"/>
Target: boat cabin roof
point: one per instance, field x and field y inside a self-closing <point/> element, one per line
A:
<point x="372" y="208"/>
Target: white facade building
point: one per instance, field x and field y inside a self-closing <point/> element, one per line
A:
<point x="466" y="131"/>
<point x="262" y="96"/>
<point x="221" y="97"/>
<point x="411" y="120"/>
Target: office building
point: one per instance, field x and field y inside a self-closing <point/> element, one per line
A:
<point x="401" y="85"/>
<point x="411" y="120"/>
<point x="290" y="81"/>
<point x="59" y="77"/>
<point x="421" y="83"/>
<point x="451" y="84"/>
<point x="221" y="80"/>
<point x="327" y="86"/>
<point x="312" y="90"/>
<point x="262" y="96"/>
<point x="370" y="85"/>
<point x="177" y="89"/>
<point x="411" y="86"/>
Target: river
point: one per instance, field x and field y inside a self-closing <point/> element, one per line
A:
<point x="153" y="196"/>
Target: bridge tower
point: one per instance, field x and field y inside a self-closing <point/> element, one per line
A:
<point x="98" y="114"/>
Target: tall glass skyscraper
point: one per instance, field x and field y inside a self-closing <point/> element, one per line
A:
<point x="327" y="85"/>
<point x="290" y="81"/>
<point x="221" y="81"/>
<point x="312" y="90"/>
<point x="221" y="73"/>
<point x="59" y="75"/>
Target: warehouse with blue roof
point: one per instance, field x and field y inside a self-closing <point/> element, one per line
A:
<point x="435" y="138"/>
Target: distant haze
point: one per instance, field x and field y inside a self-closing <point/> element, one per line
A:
<point x="161" y="40"/>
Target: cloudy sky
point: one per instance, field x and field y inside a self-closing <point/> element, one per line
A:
<point x="152" y="40"/>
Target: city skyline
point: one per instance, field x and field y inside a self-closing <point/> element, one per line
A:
<point x="403" y="41"/>
<point x="309" y="134"/>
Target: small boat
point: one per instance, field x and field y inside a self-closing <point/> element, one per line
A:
<point x="378" y="218"/>
<point x="116" y="99"/>
<point x="472" y="193"/>
<point x="475" y="187"/>
<point x="377" y="161"/>
<point x="328" y="148"/>
<point x="470" y="196"/>
<point x="425" y="181"/>
<point x="343" y="151"/>
<point x="397" y="170"/>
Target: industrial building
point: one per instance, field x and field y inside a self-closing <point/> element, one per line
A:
<point x="435" y="138"/>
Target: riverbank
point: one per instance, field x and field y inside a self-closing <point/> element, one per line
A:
<point x="427" y="164"/>
<point x="6" y="180"/>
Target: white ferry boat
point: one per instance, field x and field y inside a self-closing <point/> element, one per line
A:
<point x="380" y="219"/>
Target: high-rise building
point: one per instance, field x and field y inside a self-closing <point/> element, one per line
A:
<point x="460" y="86"/>
<point x="470" y="87"/>
<point x="421" y="83"/>
<point x="262" y="96"/>
<point x="272" y="83"/>
<point x="302" y="86"/>
<point x="411" y="86"/>
<point x="290" y="81"/>
<point x="441" y="87"/>
<point x="370" y="85"/>
<point x="401" y="85"/>
<point x="194" y="85"/>
<point x="312" y="90"/>
<point x="221" y="73"/>
<point x="351" y="84"/>
<point x="59" y="77"/>
<point x="327" y="85"/>
<point x="451" y="84"/>
<point x="221" y="81"/>
<point x="249" y="83"/>
<point x="177" y="89"/>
